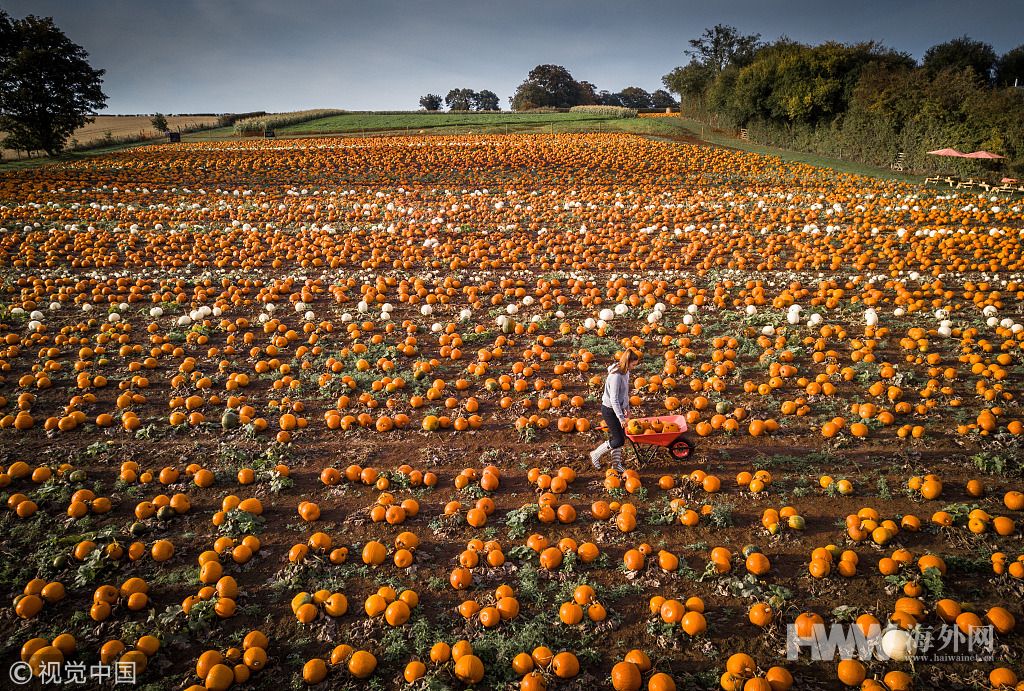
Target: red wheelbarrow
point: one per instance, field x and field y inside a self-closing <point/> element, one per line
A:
<point x="647" y="446"/>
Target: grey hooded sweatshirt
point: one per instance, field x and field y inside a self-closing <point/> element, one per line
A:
<point x="616" y="392"/>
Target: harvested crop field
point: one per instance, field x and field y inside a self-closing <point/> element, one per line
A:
<point x="123" y="126"/>
<point x="342" y="393"/>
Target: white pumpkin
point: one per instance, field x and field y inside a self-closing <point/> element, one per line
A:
<point x="897" y="645"/>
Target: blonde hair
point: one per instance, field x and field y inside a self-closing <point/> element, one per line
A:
<point x="628" y="355"/>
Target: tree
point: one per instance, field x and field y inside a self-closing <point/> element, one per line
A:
<point x="159" y="122"/>
<point x="547" y="86"/>
<point x="460" y="99"/>
<point x="606" y="98"/>
<point x="1010" y="68"/>
<point x="587" y="94"/>
<point x="47" y="87"/>
<point x="663" y="99"/>
<point x="635" y="97"/>
<point x="790" y="83"/>
<point x="486" y="100"/>
<point x="691" y="81"/>
<point x="722" y="46"/>
<point x="431" y="102"/>
<point x="960" y="53"/>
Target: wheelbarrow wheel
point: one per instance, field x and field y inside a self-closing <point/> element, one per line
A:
<point x="680" y="449"/>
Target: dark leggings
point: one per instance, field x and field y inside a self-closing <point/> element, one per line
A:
<point x="616" y="437"/>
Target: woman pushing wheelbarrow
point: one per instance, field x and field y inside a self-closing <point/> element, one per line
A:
<point x="615" y="409"/>
<point x="648" y="435"/>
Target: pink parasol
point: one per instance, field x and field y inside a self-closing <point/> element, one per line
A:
<point x="982" y="154"/>
<point x="948" y="152"/>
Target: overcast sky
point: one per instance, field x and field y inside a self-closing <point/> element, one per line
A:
<point x="189" y="56"/>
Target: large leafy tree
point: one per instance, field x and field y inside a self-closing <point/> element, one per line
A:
<point x="47" y="87"/>
<point x="460" y="99"/>
<point x="431" y="102"/>
<point x="722" y="46"/>
<point x="486" y="100"/>
<point x="690" y="81"/>
<point x="587" y="94"/>
<point x="548" y="86"/>
<point x="792" y="83"/>
<point x="635" y="97"/>
<point x="960" y="53"/>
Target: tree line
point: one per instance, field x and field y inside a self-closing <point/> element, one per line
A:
<point x="462" y="99"/>
<point x="551" y="86"/>
<point x="861" y="101"/>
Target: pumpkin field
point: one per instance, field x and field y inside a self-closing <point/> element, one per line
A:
<point x="316" y="413"/>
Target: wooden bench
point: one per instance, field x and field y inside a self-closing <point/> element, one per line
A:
<point x="900" y="163"/>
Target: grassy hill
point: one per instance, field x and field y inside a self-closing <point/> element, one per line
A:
<point x="478" y="123"/>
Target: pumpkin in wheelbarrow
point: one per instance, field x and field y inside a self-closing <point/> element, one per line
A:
<point x="634" y="427"/>
<point x="670" y="427"/>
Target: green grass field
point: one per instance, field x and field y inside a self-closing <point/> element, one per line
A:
<point x="489" y="122"/>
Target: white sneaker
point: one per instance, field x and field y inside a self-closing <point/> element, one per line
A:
<point x="595" y="459"/>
